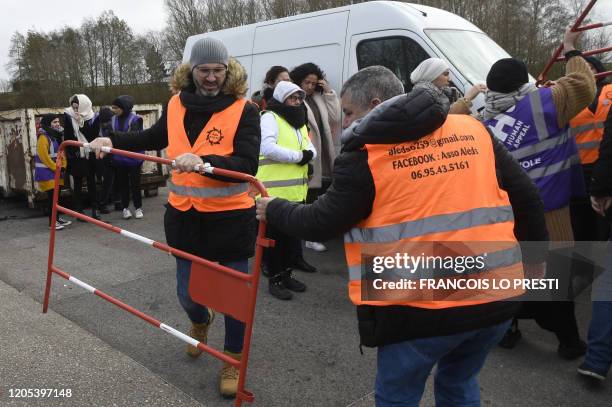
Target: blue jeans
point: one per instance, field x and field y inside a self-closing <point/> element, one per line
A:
<point x="599" y="352"/>
<point x="403" y="368"/>
<point x="197" y="313"/>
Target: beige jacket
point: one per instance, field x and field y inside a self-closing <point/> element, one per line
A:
<point x="329" y="106"/>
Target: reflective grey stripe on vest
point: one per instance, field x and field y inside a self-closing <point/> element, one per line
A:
<point x="355" y="272"/>
<point x="267" y="161"/>
<point x="554" y="168"/>
<point x="433" y="224"/>
<point x="203" y="192"/>
<point x="540" y="147"/>
<point x="538" y="115"/>
<point x="589" y="145"/>
<point x="574" y="131"/>
<point x="285" y="183"/>
<point x="41" y="165"/>
<point x="493" y="260"/>
<point x="52" y="151"/>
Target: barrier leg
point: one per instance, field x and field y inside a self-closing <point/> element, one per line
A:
<point x="58" y="167"/>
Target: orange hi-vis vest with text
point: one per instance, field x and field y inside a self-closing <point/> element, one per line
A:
<point x="588" y="127"/>
<point x="434" y="193"/>
<point x="191" y="189"/>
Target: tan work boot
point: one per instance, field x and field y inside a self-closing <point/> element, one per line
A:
<point x="228" y="385"/>
<point x="200" y="333"/>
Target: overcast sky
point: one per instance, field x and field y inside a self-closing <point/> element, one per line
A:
<point x="48" y="15"/>
<point x="141" y="16"/>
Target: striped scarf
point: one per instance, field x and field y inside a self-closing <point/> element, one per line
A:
<point x="496" y="102"/>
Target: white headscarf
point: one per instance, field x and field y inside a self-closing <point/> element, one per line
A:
<point x="78" y="119"/>
<point x="428" y="70"/>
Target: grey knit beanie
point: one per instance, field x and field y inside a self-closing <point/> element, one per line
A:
<point x="208" y="51"/>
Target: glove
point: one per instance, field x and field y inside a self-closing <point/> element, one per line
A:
<point x="306" y="157"/>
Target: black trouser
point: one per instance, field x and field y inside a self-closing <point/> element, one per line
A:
<point x="110" y="192"/>
<point x="128" y="179"/>
<point x="50" y="204"/>
<point x="79" y="168"/>
<point x="279" y="257"/>
<point x="556" y="316"/>
<point x="586" y="223"/>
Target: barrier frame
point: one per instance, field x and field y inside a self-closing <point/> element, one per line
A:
<point x="556" y="57"/>
<point x="251" y="279"/>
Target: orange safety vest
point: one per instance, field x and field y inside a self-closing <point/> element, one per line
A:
<point x="189" y="190"/>
<point x="588" y="127"/>
<point x="440" y="188"/>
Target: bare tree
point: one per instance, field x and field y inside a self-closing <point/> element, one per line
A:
<point x="185" y="18"/>
<point x="17" y="64"/>
<point x="5" y="86"/>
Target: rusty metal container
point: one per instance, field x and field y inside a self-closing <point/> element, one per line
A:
<point x="18" y="148"/>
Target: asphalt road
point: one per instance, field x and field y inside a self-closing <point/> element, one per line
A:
<point x="304" y="352"/>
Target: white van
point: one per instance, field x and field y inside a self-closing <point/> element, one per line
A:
<point x="346" y="39"/>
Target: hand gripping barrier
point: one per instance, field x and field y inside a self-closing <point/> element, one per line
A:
<point x="556" y="57"/>
<point x="221" y="288"/>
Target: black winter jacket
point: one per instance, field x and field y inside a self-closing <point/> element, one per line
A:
<point x="601" y="182"/>
<point x="90" y="129"/>
<point x="217" y="236"/>
<point x="350" y="197"/>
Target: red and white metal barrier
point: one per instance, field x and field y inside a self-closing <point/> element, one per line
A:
<point x="221" y="288"/>
<point x="557" y="57"/>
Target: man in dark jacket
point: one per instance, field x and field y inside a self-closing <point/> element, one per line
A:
<point x="208" y="121"/>
<point x="599" y="350"/>
<point x="457" y="338"/>
<point x="587" y="127"/>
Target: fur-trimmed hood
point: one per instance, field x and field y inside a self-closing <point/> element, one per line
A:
<point x="235" y="82"/>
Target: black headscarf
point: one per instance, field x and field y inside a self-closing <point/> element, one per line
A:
<point x="126" y="103"/>
<point x="296" y="116"/>
<point x="599" y="67"/>
<point x="45" y="124"/>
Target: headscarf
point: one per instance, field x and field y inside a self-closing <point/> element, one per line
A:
<point x="45" y="126"/>
<point x="428" y="70"/>
<point x="78" y="119"/>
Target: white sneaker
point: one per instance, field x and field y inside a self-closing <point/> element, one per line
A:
<point x="58" y="226"/>
<point x="126" y="213"/>
<point x="63" y="221"/>
<point x="316" y="246"/>
<point x="138" y="213"/>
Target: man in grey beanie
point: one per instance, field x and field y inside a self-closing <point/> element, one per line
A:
<point x="208" y="55"/>
<point x="208" y="120"/>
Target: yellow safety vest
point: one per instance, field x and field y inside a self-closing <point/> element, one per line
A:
<point x="286" y="180"/>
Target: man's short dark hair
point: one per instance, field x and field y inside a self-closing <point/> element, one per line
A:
<point x="373" y="82"/>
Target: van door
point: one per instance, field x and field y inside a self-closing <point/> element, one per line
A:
<point x="399" y="50"/>
<point x="319" y="39"/>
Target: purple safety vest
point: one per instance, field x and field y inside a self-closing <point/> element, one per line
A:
<point x="119" y="159"/>
<point x="41" y="171"/>
<point x="530" y="132"/>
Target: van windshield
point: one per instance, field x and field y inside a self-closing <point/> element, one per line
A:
<point x="472" y="53"/>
